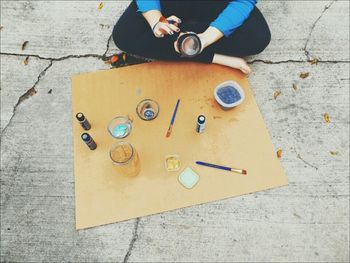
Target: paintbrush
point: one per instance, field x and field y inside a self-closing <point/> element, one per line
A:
<point x="172" y="119"/>
<point x="235" y="170"/>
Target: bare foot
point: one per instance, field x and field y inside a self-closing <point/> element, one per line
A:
<point x="233" y="62"/>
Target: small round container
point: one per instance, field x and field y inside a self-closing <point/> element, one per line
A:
<point x="120" y="127"/>
<point x="189" y="44"/>
<point x="172" y="162"/>
<point x="229" y="94"/>
<point x="124" y="156"/>
<point x="147" y="109"/>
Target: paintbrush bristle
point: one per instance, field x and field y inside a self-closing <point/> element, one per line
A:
<point x="168" y="132"/>
<point x="244" y="172"/>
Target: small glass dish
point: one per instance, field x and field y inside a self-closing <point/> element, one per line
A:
<point x="120" y="127"/>
<point x="172" y="163"/>
<point x="147" y="109"/>
<point x="188" y="178"/>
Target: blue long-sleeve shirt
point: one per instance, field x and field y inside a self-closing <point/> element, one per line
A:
<point x="233" y="16"/>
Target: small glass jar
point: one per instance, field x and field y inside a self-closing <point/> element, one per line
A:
<point x="147" y="109"/>
<point x="125" y="158"/>
<point x="172" y="162"/>
<point x="120" y="127"/>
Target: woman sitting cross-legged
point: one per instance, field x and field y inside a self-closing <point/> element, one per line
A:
<point x="227" y="31"/>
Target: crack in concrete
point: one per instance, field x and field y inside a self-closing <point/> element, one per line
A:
<point x="29" y="93"/>
<point x="32" y="91"/>
<point x="133" y="240"/>
<point x="107" y="47"/>
<point x="307" y="52"/>
<point x="307" y="163"/>
<point x="54" y="59"/>
<point x="294" y="61"/>
<point x="265" y="61"/>
<point x="91" y="55"/>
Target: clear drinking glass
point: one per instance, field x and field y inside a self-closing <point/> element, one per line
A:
<point x="147" y="109"/>
<point x="125" y="158"/>
<point x="120" y="127"/>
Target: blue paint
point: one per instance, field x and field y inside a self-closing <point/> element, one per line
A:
<point x="228" y="94"/>
<point x="148" y="114"/>
<point x="120" y="130"/>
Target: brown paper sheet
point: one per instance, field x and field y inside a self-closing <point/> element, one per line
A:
<point x="236" y="138"/>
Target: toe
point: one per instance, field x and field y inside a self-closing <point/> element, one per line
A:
<point x="245" y="69"/>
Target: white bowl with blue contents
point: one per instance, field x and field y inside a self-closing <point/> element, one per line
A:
<point x="229" y="94"/>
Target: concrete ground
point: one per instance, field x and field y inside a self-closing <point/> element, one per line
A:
<point x="306" y="221"/>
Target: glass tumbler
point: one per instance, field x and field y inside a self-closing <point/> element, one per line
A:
<point x="147" y="109"/>
<point x="120" y="127"/>
<point x="125" y="158"/>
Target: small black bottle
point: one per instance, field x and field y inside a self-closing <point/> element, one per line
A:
<point x="89" y="141"/>
<point x="200" y="124"/>
<point x="83" y="121"/>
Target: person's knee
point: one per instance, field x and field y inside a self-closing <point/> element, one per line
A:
<point x="120" y="36"/>
<point x="263" y="39"/>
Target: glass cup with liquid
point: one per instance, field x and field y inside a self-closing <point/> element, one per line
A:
<point x="125" y="158"/>
<point x="147" y="109"/>
<point x="120" y="127"/>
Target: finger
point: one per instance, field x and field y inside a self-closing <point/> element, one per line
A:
<point x="171" y="22"/>
<point x="166" y="30"/>
<point x="158" y="33"/>
<point x="175" y="47"/>
<point x="163" y="32"/>
<point x="174" y="28"/>
<point x="174" y="18"/>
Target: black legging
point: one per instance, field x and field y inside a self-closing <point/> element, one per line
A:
<point x="133" y="34"/>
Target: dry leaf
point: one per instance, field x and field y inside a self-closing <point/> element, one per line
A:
<point x="104" y="26"/>
<point x="313" y="61"/>
<point x="326" y="118"/>
<point x="100" y="6"/>
<point x="304" y="75"/>
<point x="333" y="153"/>
<point x="24" y="45"/>
<point x="276" y="94"/>
<point x="25" y="61"/>
<point x="296" y="215"/>
<point x="295" y="87"/>
<point x="279" y="153"/>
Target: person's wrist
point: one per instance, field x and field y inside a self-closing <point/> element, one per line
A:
<point x="153" y="17"/>
<point x="209" y="36"/>
<point x="154" y="22"/>
<point x="204" y="40"/>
